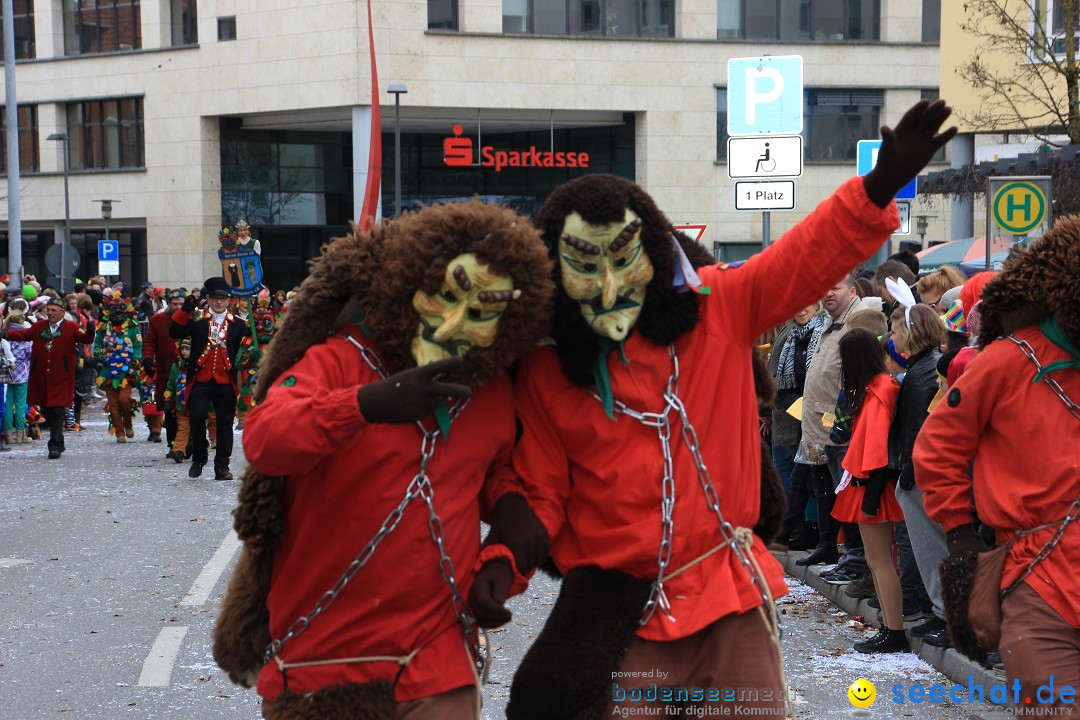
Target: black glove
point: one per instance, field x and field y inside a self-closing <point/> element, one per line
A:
<point x="149" y="365"/>
<point x="907" y="149"/>
<point x="515" y="525"/>
<point x="189" y="304"/>
<point x="964" y="539"/>
<point x="91" y="326"/>
<point x="410" y="395"/>
<point x="255" y="355"/>
<point x="488" y="593"/>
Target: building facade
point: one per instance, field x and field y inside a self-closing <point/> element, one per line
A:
<point x="197" y="114"/>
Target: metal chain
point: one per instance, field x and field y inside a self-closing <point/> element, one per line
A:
<point x="1025" y="347"/>
<point x="661" y="421"/>
<point x="421" y="487"/>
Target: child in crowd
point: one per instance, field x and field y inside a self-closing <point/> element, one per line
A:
<point x="175" y="397"/>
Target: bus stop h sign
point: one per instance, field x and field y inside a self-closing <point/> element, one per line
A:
<point x="765" y="95"/>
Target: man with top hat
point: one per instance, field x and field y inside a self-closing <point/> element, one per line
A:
<point x="215" y="340"/>
<point x="159" y="354"/>
<point x="52" y="366"/>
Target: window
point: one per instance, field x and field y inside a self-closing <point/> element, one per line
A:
<point x="721" y="124"/>
<point x="442" y="15"/>
<point x="22" y="16"/>
<point x="613" y="18"/>
<point x="98" y="26"/>
<point x="28" y="139"/>
<point x="835" y="120"/>
<point x="798" y="19"/>
<point x="226" y="28"/>
<point x="931" y="21"/>
<point x="184" y="15"/>
<point x="1057" y="10"/>
<point x="105" y="134"/>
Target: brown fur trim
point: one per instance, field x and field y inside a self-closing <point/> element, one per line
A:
<point x="772" y="507"/>
<point x="566" y="674"/>
<point x="352" y="701"/>
<point x="1040" y="278"/>
<point x="242" y="630"/>
<point x="666" y="315"/>
<point x="957" y="580"/>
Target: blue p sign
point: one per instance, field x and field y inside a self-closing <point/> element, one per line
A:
<point x="108" y="250"/>
<point x="765" y="95"/>
<point x="866" y="156"/>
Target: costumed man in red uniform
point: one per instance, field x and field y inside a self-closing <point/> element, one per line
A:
<point x="52" y="366"/>
<point x="215" y="340"/>
<point x="1013" y="417"/>
<point x="158" y="356"/>
<point x="639" y="448"/>
<point x="393" y="426"/>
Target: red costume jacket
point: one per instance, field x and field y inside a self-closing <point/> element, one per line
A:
<point x="595" y="482"/>
<point x="869" y="446"/>
<point x="158" y="344"/>
<point x="1026" y="451"/>
<point x="345" y="476"/>
<point x="52" y="362"/>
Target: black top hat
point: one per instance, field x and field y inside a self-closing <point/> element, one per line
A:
<point x="216" y="287"/>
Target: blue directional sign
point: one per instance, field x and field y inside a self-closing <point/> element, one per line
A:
<point x="866" y="158"/>
<point x="108" y="250"/>
<point x="765" y="95"/>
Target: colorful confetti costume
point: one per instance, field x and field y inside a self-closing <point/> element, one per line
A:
<point x="175" y="398"/>
<point x="247" y="360"/>
<point x="118" y="347"/>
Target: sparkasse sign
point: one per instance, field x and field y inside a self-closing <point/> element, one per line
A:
<point x="458" y="152"/>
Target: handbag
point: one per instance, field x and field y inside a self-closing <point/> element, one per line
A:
<point x="841" y="429"/>
<point x="5" y="374"/>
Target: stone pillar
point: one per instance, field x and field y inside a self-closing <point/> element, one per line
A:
<point x="962" y="209"/>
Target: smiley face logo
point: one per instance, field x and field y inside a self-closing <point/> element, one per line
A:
<point x="862" y="693"/>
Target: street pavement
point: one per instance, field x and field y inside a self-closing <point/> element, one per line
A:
<point x="113" y="563"/>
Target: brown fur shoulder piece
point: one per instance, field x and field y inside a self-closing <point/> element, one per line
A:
<point x="370" y="701"/>
<point x="602" y="199"/>
<point x="1036" y="280"/>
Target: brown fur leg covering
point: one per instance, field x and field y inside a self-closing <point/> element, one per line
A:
<point x="352" y="701"/>
<point x="566" y="675"/>
<point x="242" y="631"/>
<point x="957" y="580"/>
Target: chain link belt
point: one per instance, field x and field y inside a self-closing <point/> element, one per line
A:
<point x="420" y="486"/>
<point x="662" y="422"/>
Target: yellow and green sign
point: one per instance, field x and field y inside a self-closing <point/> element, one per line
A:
<point x="1019" y="207"/>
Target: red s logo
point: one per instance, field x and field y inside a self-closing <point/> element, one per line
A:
<point x="457" y="151"/>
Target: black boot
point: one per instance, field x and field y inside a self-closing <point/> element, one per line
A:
<point x="828" y="527"/>
<point x="886" y="641"/>
<point x="804" y="537"/>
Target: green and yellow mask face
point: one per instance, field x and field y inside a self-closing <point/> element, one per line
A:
<point x="606" y="269"/>
<point x="464" y="312"/>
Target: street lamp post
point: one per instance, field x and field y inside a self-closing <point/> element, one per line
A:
<point x="397" y="90"/>
<point x="106" y="213"/>
<point x="921" y="223"/>
<point x="63" y="137"/>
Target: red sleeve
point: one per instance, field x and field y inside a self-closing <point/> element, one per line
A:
<point x="149" y="350"/>
<point x="496" y="551"/>
<point x="539" y="458"/>
<point x="317" y="394"/>
<point x="24" y="334"/>
<point x="948" y="440"/>
<point x="843" y="231"/>
<point x="501" y="478"/>
<point x="869" y="447"/>
<point x="82" y="336"/>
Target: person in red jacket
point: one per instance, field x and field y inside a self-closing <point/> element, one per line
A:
<point x="52" y="366"/>
<point x="158" y="357"/>
<point x="392" y="422"/>
<point x="639" y="447"/>
<point x="1014" y="416"/>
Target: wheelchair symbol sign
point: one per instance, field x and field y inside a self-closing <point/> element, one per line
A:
<point x="765" y="156"/>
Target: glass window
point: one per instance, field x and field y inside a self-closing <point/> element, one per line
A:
<point x="612" y="18"/>
<point x="22" y="16"/>
<point x="226" y="28"/>
<point x="442" y="15"/>
<point x="184" y="14"/>
<point x="827" y="20"/>
<point x="835" y="121"/>
<point x="728" y="19"/>
<point x="105" y="134"/>
<point x="28" y="139"/>
<point x="97" y="26"/>
<point x="931" y="21"/>
<point x="721" y="124"/>
<point x="515" y="16"/>
<point x="760" y="19"/>
<point x="1058" y="26"/>
<point x="548" y="17"/>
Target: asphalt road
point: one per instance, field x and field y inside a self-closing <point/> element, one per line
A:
<point x="112" y="567"/>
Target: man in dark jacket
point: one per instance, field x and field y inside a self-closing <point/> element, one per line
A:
<point x="215" y="340"/>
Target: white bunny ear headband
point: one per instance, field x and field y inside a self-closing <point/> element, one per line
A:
<point x="902" y="293"/>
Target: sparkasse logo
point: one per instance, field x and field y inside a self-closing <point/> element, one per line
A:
<point x="458" y="152"/>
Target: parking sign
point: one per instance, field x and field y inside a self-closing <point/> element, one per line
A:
<point x="765" y="95"/>
<point x="866" y="155"/>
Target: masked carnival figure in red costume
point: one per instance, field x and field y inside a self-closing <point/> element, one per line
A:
<point x="380" y="437"/>
<point x="640" y="450"/>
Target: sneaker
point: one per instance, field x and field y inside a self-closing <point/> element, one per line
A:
<point x="928" y="626"/>
<point x="885" y="641"/>
<point x="861" y="588"/>
<point x="195" y="470"/>
<point x="939" y="638"/>
<point x="840" y="577"/>
<point x="912" y="609"/>
<point x="54" y="454"/>
<point x="222" y="474"/>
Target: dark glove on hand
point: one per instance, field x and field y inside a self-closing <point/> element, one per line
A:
<point x="907" y="149"/>
<point x="964" y="539"/>
<point x="149" y="365"/>
<point x="488" y="593"/>
<point x="255" y="356"/>
<point x="515" y="525"/>
<point x="189" y="304"/>
<point x="91" y="326"/>
<point x="410" y="395"/>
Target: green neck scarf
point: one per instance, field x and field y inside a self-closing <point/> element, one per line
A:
<point x="1053" y="332"/>
<point x="601" y="378"/>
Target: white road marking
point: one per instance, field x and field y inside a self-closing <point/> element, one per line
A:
<point x="211" y="572"/>
<point x="157" y="670"/>
<point x="11" y="562"/>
